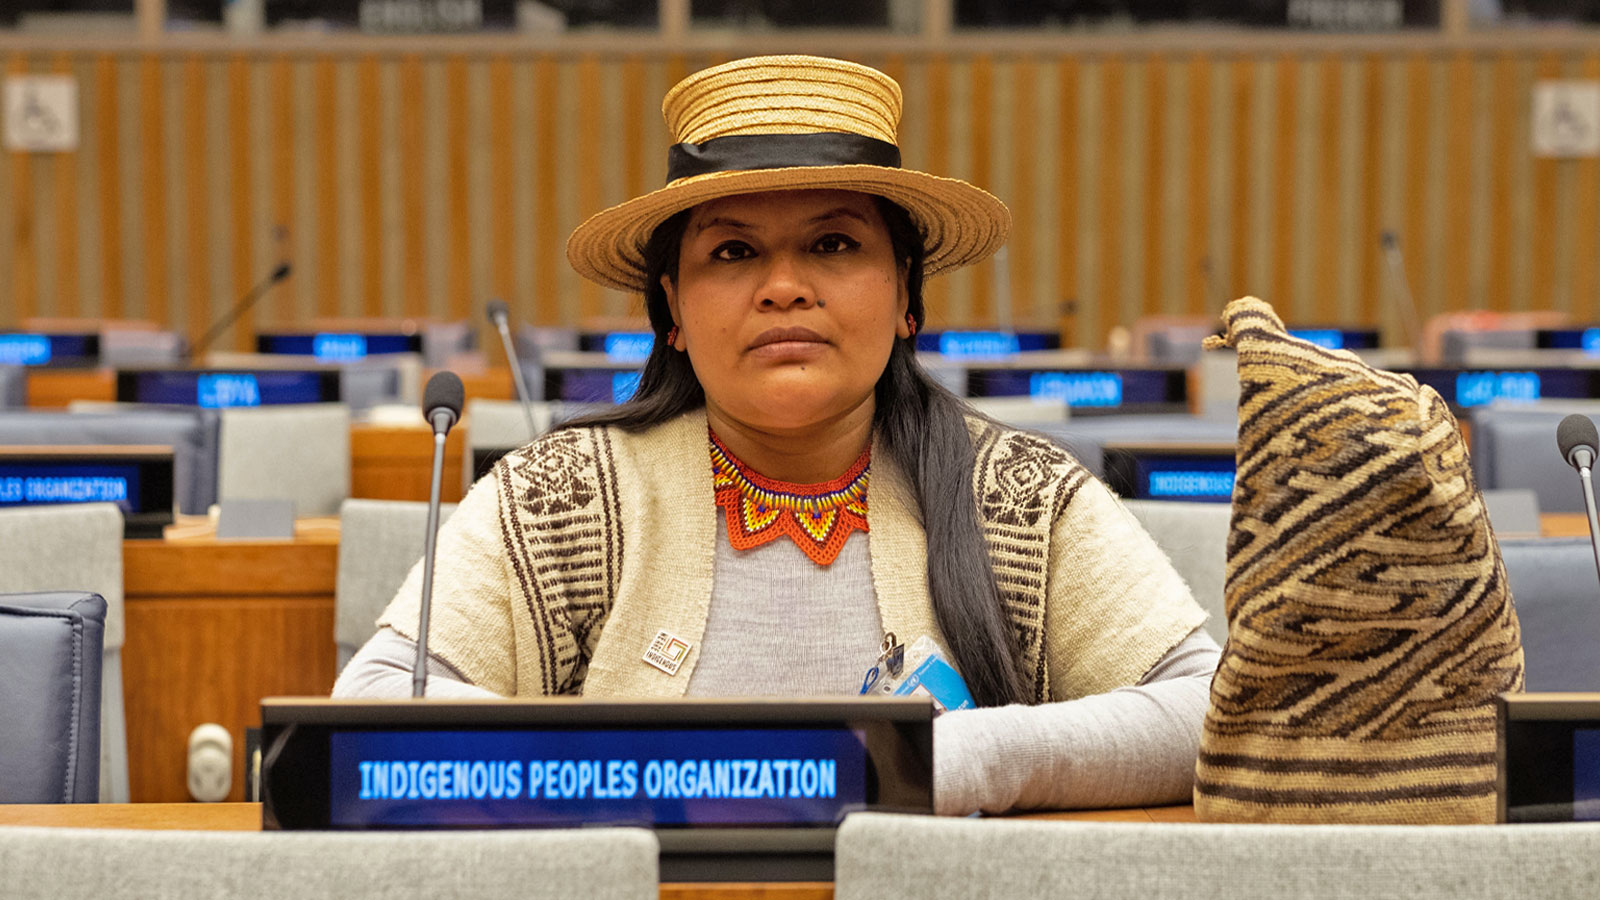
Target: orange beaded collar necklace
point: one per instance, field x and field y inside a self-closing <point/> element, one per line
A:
<point x="817" y="517"/>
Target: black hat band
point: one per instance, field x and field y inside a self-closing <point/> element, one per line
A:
<point x="743" y="152"/>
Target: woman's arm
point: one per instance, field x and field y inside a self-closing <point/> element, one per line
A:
<point x="1132" y="746"/>
<point x="382" y="668"/>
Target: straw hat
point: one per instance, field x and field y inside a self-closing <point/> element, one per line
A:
<point x="782" y="123"/>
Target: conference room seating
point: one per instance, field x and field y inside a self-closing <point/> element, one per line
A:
<point x="13" y="387"/>
<point x="78" y="549"/>
<point x="294" y="452"/>
<point x="192" y="433"/>
<point x="126" y="348"/>
<point x="881" y="855"/>
<point x="1086" y="436"/>
<point x="1557" y="594"/>
<point x="94" y="864"/>
<point x="379" y="542"/>
<point x="50" y="647"/>
<point x="1515" y="448"/>
<point x="1195" y="537"/>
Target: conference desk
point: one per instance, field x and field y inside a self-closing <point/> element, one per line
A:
<point x="247" y="817"/>
<point x="214" y="626"/>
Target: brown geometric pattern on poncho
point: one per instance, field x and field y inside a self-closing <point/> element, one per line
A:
<point x="561" y="518"/>
<point x="1369" y="622"/>
<point x="1023" y="484"/>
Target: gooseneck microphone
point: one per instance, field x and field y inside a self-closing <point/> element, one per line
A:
<point x="277" y="275"/>
<point x="1580" y="445"/>
<point x="500" y="317"/>
<point x="441" y="406"/>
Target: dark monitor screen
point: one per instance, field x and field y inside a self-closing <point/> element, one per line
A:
<point x="138" y="480"/>
<point x="985" y="344"/>
<point x="338" y="346"/>
<point x="1088" y="391"/>
<point x="590" y="384"/>
<point x="1549" y="757"/>
<point x="1171" y="472"/>
<point x="23" y="348"/>
<point x="1585" y="339"/>
<point x="223" y="388"/>
<point x="1465" y="388"/>
<point x="1333" y="338"/>
<point x="622" y="346"/>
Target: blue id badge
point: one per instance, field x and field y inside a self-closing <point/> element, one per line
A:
<point x="936" y="679"/>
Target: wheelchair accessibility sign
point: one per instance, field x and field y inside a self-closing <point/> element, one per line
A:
<point x="41" y="113"/>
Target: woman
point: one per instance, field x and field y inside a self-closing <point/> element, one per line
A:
<point x="787" y="487"/>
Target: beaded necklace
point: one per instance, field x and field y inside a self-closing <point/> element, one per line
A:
<point x="817" y="517"/>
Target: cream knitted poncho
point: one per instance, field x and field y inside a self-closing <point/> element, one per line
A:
<point x="558" y="570"/>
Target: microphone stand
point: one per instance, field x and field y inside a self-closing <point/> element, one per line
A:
<point x="1586" y="475"/>
<point x="497" y="314"/>
<point x="443" y="400"/>
<point x="248" y="300"/>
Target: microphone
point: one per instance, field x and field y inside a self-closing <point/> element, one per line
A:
<point x="1397" y="268"/>
<point x="441" y="406"/>
<point x="500" y="317"/>
<point x="278" y="274"/>
<point x="1580" y="445"/>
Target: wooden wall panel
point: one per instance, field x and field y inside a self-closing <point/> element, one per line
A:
<point x="416" y="182"/>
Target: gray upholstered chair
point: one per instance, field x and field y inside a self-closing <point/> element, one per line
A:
<point x="1023" y="412"/>
<point x="1557" y="594"/>
<point x="880" y="855"/>
<point x="50" y="653"/>
<point x="1195" y="537"/>
<point x="92" y="864"/>
<point x="13" y="387"/>
<point x="379" y="542"/>
<point x="124" y="347"/>
<point x="191" y="432"/>
<point x="295" y="452"/>
<point x="1515" y="448"/>
<point x="77" y="548"/>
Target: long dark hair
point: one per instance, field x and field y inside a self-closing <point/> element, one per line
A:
<point x="919" y="424"/>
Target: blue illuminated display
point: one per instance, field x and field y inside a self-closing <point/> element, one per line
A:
<point x="1590" y="341"/>
<point x="1191" y="483"/>
<point x="24" y="349"/>
<point x="616" y="776"/>
<point x="1327" y="338"/>
<point x="1586" y="774"/>
<point x="227" y="389"/>
<point x="44" y="483"/>
<point x="623" y="385"/>
<point x="964" y="344"/>
<point x="62" y="489"/>
<point x="1481" y="388"/>
<point x="629" y="346"/>
<point x="338" y="347"/>
<point x="1077" y="388"/>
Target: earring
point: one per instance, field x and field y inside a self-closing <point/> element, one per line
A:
<point x="672" y="336"/>
<point x="911" y="324"/>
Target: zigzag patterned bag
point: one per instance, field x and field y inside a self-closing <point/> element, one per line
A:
<point x="1369" y="622"/>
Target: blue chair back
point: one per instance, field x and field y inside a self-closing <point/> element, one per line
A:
<point x="1515" y="449"/>
<point x="1557" y="594"/>
<point x="50" y="647"/>
<point x="13" y="387"/>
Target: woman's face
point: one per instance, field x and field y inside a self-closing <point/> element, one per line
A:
<point x="788" y="304"/>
